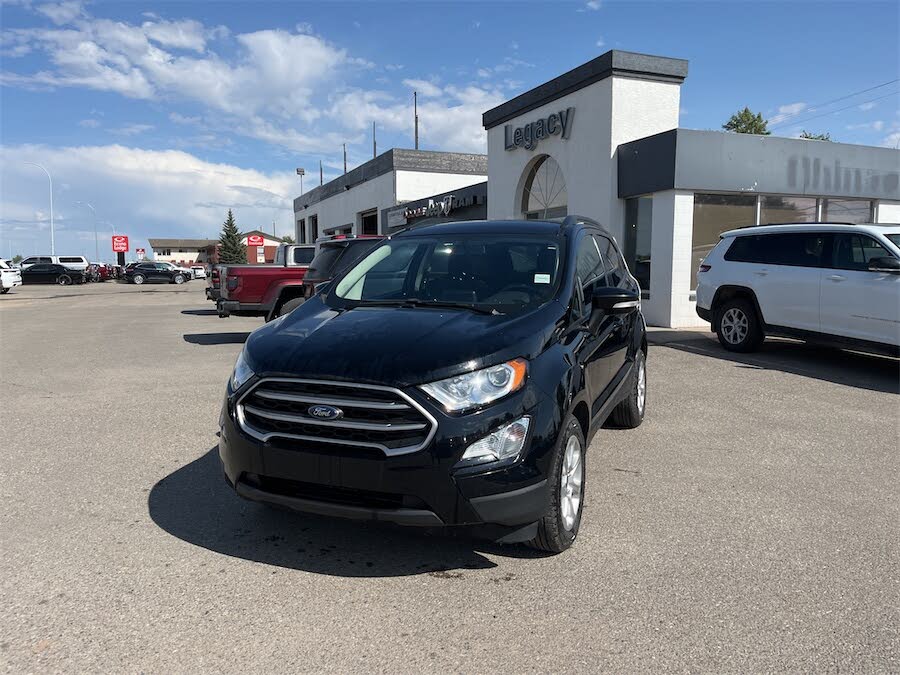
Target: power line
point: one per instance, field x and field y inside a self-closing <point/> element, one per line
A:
<point x="811" y="108"/>
<point x="831" y="112"/>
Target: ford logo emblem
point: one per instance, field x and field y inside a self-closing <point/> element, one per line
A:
<point x="325" y="412"/>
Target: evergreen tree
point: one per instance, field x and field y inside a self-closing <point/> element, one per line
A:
<point x="231" y="250"/>
<point x="745" y="122"/>
<point x="287" y="239"/>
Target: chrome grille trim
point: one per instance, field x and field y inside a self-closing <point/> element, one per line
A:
<point x="329" y="400"/>
<point x="338" y="423"/>
<point x="265" y="436"/>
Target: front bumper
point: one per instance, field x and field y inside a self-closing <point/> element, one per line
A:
<point x="419" y="489"/>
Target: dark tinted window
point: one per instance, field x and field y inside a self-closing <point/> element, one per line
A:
<point x="38" y="268"/>
<point x="612" y="259"/>
<point x="854" y="251"/>
<point x="322" y="265"/>
<point x="304" y="255"/>
<point x="800" y="249"/>
<point x="588" y="265"/>
<point x="70" y="259"/>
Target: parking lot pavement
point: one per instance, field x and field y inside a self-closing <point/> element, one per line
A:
<point x="750" y="524"/>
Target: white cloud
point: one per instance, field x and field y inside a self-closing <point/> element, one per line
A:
<point x="178" y="118"/>
<point x="61" y="12"/>
<point x="424" y="87"/>
<point x="592" y="5"/>
<point x="787" y="111"/>
<point x="186" y="34"/>
<point x="867" y="106"/>
<point x="89" y="123"/>
<point x="877" y="125"/>
<point x="601" y="43"/>
<point x="132" y="129"/>
<point x="144" y="193"/>
<point x="892" y="140"/>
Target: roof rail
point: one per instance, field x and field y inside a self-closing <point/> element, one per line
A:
<point x="828" y="222"/>
<point x="574" y="219"/>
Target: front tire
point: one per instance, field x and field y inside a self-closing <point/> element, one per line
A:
<point x="4" y="290"/>
<point x="629" y="413"/>
<point x="64" y="280"/>
<point x="559" y="527"/>
<point x="178" y="279"/>
<point x="290" y="306"/>
<point x="738" y="327"/>
<point x="138" y="279"/>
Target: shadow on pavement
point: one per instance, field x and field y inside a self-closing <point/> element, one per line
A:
<point x="864" y="371"/>
<point x="216" y="338"/>
<point x="200" y="312"/>
<point x="196" y="505"/>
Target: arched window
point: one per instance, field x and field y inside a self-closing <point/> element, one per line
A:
<point x="545" y="194"/>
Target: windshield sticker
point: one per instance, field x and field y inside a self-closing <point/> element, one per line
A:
<point x="542" y="278"/>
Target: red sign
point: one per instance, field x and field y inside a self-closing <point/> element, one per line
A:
<point x="120" y="243"/>
<point x="140" y="253"/>
<point x="255" y="240"/>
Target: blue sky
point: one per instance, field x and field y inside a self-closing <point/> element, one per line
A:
<point x="162" y="115"/>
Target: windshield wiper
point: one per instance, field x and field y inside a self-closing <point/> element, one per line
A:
<point x="416" y="302"/>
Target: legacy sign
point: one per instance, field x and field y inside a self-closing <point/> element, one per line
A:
<point x="529" y="135"/>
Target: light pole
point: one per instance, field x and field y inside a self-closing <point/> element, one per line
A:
<point x="96" y="241"/>
<point x="301" y="173"/>
<point x="52" y="233"/>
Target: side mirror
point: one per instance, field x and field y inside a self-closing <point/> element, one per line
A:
<point x="615" y="300"/>
<point x="886" y="264"/>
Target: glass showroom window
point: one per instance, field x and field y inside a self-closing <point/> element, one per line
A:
<point x="545" y="194"/>
<point x="638" y="222"/>
<point x="713" y="215"/>
<point x="847" y="210"/>
<point x="776" y="209"/>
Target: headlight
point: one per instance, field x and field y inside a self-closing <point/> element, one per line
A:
<point x="478" y="387"/>
<point x="241" y="373"/>
<point x="505" y="443"/>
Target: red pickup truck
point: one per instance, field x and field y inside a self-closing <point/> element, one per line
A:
<point x="256" y="290"/>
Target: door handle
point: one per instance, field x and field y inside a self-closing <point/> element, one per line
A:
<point x="835" y="277"/>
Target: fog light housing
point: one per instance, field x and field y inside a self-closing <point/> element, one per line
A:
<point x="502" y="444"/>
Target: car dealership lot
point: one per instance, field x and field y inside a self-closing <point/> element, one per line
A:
<point x="748" y="524"/>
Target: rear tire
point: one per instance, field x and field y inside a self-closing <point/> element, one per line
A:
<point x="738" y="326"/>
<point x="64" y="280"/>
<point x="629" y="413"/>
<point x="558" y="528"/>
<point x="178" y="279"/>
<point x="138" y="279"/>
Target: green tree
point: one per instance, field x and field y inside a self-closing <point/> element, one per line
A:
<point x="287" y="239"/>
<point x="746" y="122"/>
<point x="17" y="258"/>
<point x="231" y="250"/>
<point x="815" y="137"/>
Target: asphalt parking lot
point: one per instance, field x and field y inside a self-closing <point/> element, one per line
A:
<point x="750" y="524"/>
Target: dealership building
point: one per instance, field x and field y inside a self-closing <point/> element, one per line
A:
<point x="603" y="141"/>
<point x="261" y="249"/>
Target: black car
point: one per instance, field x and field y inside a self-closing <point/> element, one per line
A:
<point x="148" y="272"/>
<point x="46" y="273"/>
<point x="453" y="376"/>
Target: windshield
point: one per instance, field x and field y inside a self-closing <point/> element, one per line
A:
<point x="895" y="239"/>
<point x="508" y="274"/>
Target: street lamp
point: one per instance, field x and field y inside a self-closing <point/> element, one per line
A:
<point x="301" y="173"/>
<point x="96" y="241"/>
<point x="52" y="233"/>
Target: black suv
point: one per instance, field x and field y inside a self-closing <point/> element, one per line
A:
<point x="453" y="376"/>
<point x="148" y="272"/>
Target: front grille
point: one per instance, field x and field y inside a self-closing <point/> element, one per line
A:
<point x="332" y="494"/>
<point x="376" y="417"/>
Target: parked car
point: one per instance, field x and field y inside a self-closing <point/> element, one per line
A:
<point x="453" y="376"/>
<point x="836" y="284"/>
<point x="186" y="271"/>
<point x="47" y="273"/>
<point x="74" y="262"/>
<point x="334" y="256"/>
<point x="154" y="272"/>
<point x="100" y="272"/>
<point x="255" y="290"/>
<point x="199" y="271"/>
<point x="212" y="284"/>
<point x="10" y="276"/>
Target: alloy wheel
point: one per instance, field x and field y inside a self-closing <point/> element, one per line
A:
<point x="641" y="386"/>
<point x="735" y="326"/>
<point x="571" y="479"/>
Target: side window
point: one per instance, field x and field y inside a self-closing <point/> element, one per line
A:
<point x="46" y="260"/>
<point x="615" y="266"/>
<point x="795" y="249"/>
<point x="588" y="265"/>
<point x="303" y="256"/>
<point x="854" y="251"/>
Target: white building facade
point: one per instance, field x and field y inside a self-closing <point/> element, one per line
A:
<point x="353" y="203"/>
<point x="603" y="141"/>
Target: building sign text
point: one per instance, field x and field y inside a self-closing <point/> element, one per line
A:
<point x="529" y="135"/>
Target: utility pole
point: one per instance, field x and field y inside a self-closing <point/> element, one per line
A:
<point x="374" y="144"/>
<point x="416" y="116"/>
<point x="345" y="158"/>
<point x="52" y="232"/>
<point x="321" y="175"/>
<point x="301" y="173"/>
<point x="96" y="241"/>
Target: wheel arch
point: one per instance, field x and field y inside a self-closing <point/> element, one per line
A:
<point x="730" y="292"/>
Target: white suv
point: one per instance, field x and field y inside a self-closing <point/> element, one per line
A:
<point x="831" y="283"/>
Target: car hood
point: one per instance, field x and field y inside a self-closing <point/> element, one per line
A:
<point x="394" y="345"/>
